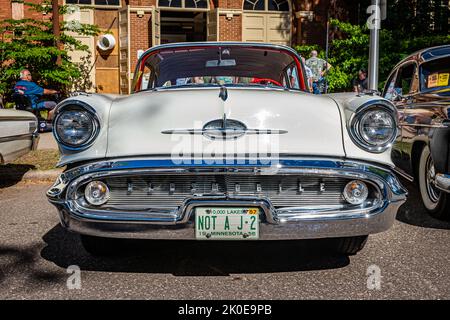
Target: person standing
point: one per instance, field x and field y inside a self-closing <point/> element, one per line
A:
<point x="361" y="84"/>
<point x="33" y="92"/>
<point x="319" y="68"/>
<point x="309" y="75"/>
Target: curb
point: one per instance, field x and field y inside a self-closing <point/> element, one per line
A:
<point x="36" y="175"/>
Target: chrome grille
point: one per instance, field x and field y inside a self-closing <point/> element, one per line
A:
<point x="169" y="191"/>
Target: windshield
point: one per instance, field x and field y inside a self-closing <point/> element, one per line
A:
<point x="219" y="65"/>
<point x="434" y="75"/>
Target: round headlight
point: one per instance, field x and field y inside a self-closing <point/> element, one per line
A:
<point x="374" y="128"/>
<point x="356" y="192"/>
<point x="377" y="127"/>
<point x="96" y="193"/>
<point x="75" y="127"/>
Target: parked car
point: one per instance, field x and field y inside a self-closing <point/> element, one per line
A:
<point x="202" y="150"/>
<point x="18" y="134"/>
<point x="420" y="89"/>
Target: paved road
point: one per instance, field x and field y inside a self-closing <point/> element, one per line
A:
<point x="35" y="252"/>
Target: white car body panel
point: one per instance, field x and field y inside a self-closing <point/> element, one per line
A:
<point x="136" y="129"/>
<point x="132" y="125"/>
<point x="16" y="133"/>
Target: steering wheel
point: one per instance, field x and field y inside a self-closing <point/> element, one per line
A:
<point x="266" y="81"/>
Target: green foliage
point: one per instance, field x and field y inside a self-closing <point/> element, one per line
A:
<point x="350" y="53"/>
<point x="31" y="44"/>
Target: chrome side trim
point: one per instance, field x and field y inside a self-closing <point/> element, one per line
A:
<point x="224" y="132"/>
<point x="27" y="136"/>
<point x="18" y="118"/>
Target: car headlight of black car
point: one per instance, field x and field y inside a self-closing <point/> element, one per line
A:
<point x="374" y="126"/>
<point x="76" y="125"/>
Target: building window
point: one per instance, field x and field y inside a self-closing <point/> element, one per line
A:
<point x="266" y="5"/>
<point x="203" y="4"/>
<point x="79" y="1"/>
<point x="278" y="5"/>
<point x="107" y="2"/>
<point x="95" y="2"/>
<point x="254" y="5"/>
<point x="194" y="4"/>
<point x="170" y="3"/>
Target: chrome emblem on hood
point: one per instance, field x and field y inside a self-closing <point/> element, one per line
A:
<point x="224" y="129"/>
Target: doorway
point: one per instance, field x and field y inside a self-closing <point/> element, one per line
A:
<point x="182" y="26"/>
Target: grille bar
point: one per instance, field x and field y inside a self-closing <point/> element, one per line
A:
<point x="171" y="190"/>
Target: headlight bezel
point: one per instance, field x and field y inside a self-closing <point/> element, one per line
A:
<point x="354" y="126"/>
<point x="76" y="105"/>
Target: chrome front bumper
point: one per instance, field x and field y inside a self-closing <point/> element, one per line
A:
<point x="276" y="224"/>
<point x="442" y="182"/>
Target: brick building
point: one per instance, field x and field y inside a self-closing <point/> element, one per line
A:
<point x="135" y="25"/>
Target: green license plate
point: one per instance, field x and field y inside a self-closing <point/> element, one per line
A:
<point x="229" y="223"/>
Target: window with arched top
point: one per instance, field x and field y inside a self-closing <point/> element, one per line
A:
<point x="266" y="5"/>
<point x="191" y="4"/>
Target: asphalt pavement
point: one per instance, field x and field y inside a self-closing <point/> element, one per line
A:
<point x="38" y="259"/>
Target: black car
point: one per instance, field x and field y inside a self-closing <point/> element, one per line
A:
<point x="419" y="86"/>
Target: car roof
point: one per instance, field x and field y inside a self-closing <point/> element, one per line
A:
<point x="217" y="43"/>
<point x="427" y="54"/>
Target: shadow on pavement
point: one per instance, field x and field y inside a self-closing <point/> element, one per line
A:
<point x="193" y="258"/>
<point x="20" y="261"/>
<point x="11" y="174"/>
<point x="414" y="213"/>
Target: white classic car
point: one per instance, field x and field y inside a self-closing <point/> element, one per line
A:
<point x="223" y="141"/>
<point x="18" y="134"/>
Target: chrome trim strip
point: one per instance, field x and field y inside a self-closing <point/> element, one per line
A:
<point x="403" y="174"/>
<point x="27" y="136"/>
<point x="18" y="118"/>
<point x="221" y="132"/>
<point x="406" y="124"/>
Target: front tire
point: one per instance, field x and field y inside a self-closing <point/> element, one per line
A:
<point x="350" y="245"/>
<point x="435" y="201"/>
<point x="98" y="246"/>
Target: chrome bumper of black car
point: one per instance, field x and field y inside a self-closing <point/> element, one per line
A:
<point x="277" y="222"/>
<point x="442" y="182"/>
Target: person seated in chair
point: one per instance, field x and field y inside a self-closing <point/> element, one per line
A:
<point x="33" y="92"/>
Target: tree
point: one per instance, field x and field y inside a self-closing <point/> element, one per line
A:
<point x="350" y="52"/>
<point x="30" y="44"/>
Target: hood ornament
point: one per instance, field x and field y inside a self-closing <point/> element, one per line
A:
<point x="223" y="94"/>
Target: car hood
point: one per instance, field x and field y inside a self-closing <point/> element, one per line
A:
<point x="287" y="122"/>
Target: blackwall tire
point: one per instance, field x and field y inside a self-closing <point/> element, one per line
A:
<point x="436" y="202"/>
<point x="350" y="245"/>
<point x="98" y="246"/>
